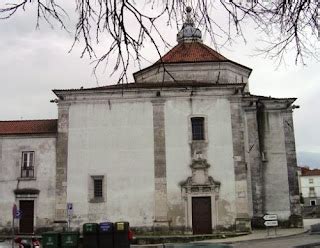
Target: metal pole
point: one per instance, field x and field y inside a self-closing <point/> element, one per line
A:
<point x="69" y="219"/>
<point x="12" y="243"/>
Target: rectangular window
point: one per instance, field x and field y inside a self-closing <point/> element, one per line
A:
<point x="312" y="202"/>
<point x="311" y="180"/>
<point x="98" y="187"/>
<point x="197" y="128"/>
<point x="312" y="192"/>
<point x="27" y="167"/>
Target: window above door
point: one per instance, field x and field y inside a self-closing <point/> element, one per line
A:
<point x="27" y="164"/>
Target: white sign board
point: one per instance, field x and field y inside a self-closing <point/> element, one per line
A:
<point x="271" y="223"/>
<point x="270" y="217"/>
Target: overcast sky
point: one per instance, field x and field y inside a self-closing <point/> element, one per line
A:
<point x="33" y="62"/>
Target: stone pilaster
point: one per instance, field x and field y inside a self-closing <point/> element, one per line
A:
<point x="240" y="168"/>
<point x="291" y="162"/>
<point x="160" y="174"/>
<point x="254" y="161"/>
<point x="62" y="162"/>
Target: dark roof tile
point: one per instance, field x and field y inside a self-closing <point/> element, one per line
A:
<point x="305" y="171"/>
<point x="28" y="127"/>
<point x="191" y="52"/>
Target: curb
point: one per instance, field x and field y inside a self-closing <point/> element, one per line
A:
<point x="265" y="238"/>
<point x="224" y="241"/>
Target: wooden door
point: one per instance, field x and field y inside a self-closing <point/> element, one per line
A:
<point x="201" y="215"/>
<point x="27" y="215"/>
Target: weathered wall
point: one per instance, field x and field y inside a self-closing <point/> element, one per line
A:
<point x="117" y="138"/>
<point x="291" y="162"/>
<point x="62" y="162"/>
<point x="113" y="139"/>
<point x="219" y="153"/>
<point x="276" y="185"/>
<point x="240" y="166"/>
<point x="11" y="148"/>
<point x="217" y="73"/>
<point x="253" y="159"/>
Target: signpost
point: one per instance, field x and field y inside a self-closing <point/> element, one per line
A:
<point x="70" y="213"/>
<point x="271" y="223"/>
<point x="271" y="220"/>
<point x="14" y="212"/>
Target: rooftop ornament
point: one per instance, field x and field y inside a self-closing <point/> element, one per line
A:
<point x="189" y="33"/>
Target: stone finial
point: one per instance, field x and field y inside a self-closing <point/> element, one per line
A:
<point x="189" y="33"/>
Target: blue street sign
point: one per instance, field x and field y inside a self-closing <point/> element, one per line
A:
<point x="18" y="214"/>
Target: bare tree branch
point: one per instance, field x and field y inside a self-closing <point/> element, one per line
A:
<point x="288" y="24"/>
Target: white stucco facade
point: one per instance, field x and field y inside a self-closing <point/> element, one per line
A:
<point x="309" y="184"/>
<point x="11" y="148"/>
<point x="185" y="148"/>
<point x="114" y="141"/>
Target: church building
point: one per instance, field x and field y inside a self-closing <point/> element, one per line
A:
<point x="186" y="148"/>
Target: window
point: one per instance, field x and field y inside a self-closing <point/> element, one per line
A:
<point x="97" y="187"/>
<point x="312" y="202"/>
<point x="197" y="124"/>
<point x="312" y="192"/>
<point x="27" y="167"/>
<point x="311" y="180"/>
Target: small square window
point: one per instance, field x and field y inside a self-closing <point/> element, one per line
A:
<point x="197" y="124"/>
<point x="98" y="187"/>
<point x="311" y="180"/>
<point x="27" y="165"/>
<point x="313" y="202"/>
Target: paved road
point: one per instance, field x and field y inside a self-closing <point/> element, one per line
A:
<point x="283" y="242"/>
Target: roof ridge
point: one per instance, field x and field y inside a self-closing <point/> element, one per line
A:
<point x="28" y="120"/>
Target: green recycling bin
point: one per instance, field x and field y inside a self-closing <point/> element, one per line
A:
<point x="69" y="239"/>
<point x="90" y="235"/>
<point x="50" y="240"/>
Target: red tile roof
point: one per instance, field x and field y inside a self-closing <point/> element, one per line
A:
<point x="305" y="171"/>
<point x="28" y="127"/>
<point x="191" y="52"/>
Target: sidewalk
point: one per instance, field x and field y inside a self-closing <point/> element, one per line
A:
<point x="255" y="235"/>
<point x="258" y="234"/>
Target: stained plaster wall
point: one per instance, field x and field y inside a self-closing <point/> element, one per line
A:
<point x="224" y="73"/>
<point x="116" y="139"/>
<point x="220" y="153"/>
<point x="11" y="148"/>
<point x="276" y="185"/>
<point x="113" y="139"/>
